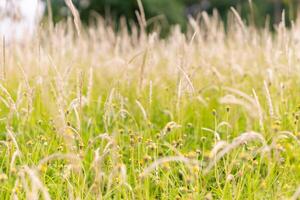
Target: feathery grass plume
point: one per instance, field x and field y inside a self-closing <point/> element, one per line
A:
<point x="169" y="127"/>
<point x="283" y="135"/>
<point x="252" y="14"/>
<point x="171" y="147"/>
<point x="8" y="96"/>
<point x="260" y="112"/>
<point x="36" y="184"/>
<point x="12" y="164"/>
<point x="202" y="100"/>
<point x="142" y="69"/>
<point x="217" y="147"/>
<point x="103" y="136"/>
<point x="195" y="26"/>
<point x="244" y="137"/>
<point x="206" y="19"/>
<point x="142" y="110"/>
<point x="216" y="134"/>
<point x="281" y="30"/>
<point x="241" y="94"/>
<point x="223" y="123"/>
<point x="108" y="110"/>
<point x="231" y="99"/>
<point x="269" y="100"/>
<point x="192" y="89"/>
<point x="59" y="85"/>
<point x="11" y="103"/>
<point x="63" y="130"/>
<point x="97" y="165"/>
<point x="60" y="119"/>
<point x="12" y="136"/>
<point x="76" y="16"/>
<point x="58" y="156"/>
<point x="239" y="19"/>
<point x="102" y="179"/>
<point x="161" y="161"/>
<point x="142" y="13"/>
<point x="5" y="102"/>
<point x="119" y="170"/>
<point x="50" y="15"/>
<point x="75" y="103"/>
<point x="216" y="72"/>
<point x="141" y="18"/>
<point x="29" y="91"/>
<point x="90" y="86"/>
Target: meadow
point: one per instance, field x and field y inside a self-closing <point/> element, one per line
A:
<point x="91" y="113"/>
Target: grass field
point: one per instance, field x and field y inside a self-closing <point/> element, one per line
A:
<point x="204" y="115"/>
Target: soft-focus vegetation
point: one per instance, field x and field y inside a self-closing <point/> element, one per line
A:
<point x="168" y="12"/>
<point x="99" y="114"/>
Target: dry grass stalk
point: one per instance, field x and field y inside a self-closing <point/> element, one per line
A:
<point x="260" y="112"/>
<point x="90" y="86"/>
<point x="269" y="100"/>
<point x="161" y="161"/>
<point x="76" y="16"/>
<point x="141" y="107"/>
<point x="142" y="70"/>
<point x="216" y="134"/>
<point x="239" y="19"/>
<point x="36" y="184"/>
<point x="245" y="137"/>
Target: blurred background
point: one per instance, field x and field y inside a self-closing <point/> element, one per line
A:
<point x="168" y="12"/>
<point x="20" y="16"/>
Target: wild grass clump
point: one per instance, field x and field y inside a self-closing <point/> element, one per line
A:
<point x="90" y="113"/>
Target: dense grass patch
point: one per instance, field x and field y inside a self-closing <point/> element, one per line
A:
<point x="201" y="115"/>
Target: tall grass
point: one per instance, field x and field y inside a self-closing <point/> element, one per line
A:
<point x="207" y="114"/>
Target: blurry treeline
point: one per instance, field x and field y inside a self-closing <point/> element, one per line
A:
<point x="168" y="12"/>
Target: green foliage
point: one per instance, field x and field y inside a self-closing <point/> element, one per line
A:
<point x="175" y="12"/>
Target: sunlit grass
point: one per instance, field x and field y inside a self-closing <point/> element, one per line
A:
<point x="201" y="115"/>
